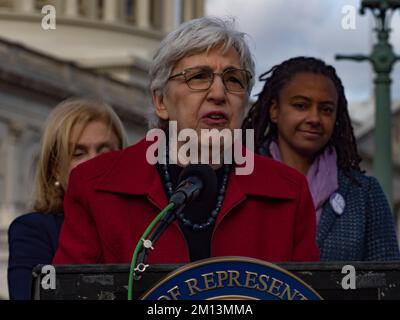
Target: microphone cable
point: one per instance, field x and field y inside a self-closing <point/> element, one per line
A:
<point x="139" y="246"/>
<point x="157" y="231"/>
<point x="192" y="181"/>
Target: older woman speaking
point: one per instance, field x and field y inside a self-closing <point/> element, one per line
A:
<point x="200" y="79"/>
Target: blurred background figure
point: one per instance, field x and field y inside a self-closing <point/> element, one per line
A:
<point x="76" y="131"/>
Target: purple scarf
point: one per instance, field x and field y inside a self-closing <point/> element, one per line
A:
<point x="322" y="176"/>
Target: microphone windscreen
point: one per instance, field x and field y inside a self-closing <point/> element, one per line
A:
<point x="207" y="175"/>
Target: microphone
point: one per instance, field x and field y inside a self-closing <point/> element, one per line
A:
<point x="192" y="182"/>
<point x="196" y="181"/>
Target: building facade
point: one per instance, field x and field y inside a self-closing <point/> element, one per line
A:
<point x="99" y="48"/>
<point x="363" y="119"/>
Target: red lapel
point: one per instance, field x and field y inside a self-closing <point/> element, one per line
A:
<point x="132" y="174"/>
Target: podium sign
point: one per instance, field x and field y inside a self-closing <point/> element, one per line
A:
<point x="374" y="281"/>
<point x="231" y="278"/>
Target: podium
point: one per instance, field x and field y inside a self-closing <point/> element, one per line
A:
<point x="374" y="281"/>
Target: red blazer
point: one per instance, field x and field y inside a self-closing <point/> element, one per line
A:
<point x="111" y="200"/>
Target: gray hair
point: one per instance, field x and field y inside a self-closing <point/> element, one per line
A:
<point x="192" y="37"/>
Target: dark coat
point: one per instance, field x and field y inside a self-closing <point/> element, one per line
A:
<point x="365" y="231"/>
<point x="33" y="240"/>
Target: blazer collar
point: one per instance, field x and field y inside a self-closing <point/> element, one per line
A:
<point x="132" y="174"/>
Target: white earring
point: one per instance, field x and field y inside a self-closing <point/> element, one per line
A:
<point x="57" y="183"/>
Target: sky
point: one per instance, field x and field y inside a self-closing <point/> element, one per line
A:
<point x="281" y="29"/>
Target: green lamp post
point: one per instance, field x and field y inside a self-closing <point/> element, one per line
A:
<point x="382" y="59"/>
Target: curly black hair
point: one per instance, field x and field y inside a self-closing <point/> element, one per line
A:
<point x="258" y="117"/>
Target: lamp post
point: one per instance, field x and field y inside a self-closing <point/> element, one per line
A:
<point x="382" y="59"/>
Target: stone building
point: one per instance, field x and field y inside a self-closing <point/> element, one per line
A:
<point x="99" y="48"/>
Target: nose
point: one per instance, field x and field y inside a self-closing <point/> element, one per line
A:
<point x="313" y="116"/>
<point x="217" y="91"/>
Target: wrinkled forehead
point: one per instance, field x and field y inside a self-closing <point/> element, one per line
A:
<point x="214" y="57"/>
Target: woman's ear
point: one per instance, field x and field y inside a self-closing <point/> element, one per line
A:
<point x="274" y="111"/>
<point x="161" y="109"/>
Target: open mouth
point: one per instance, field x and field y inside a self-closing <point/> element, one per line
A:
<point x="215" y="118"/>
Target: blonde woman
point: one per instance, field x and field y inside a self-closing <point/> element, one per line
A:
<point x="76" y="131"/>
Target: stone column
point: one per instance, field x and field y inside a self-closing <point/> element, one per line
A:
<point x="143" y="13"/>
<point x="198" y="9"/>
<point x="188" y="9"/>
<point x="25" y="6"/>
<point x="8" y="208"/>
<point x="59" y="5"/>
<point x="91" y="9"/>
<point x="71" y="8"/>
<point x="110" y="10"/>
<point x="169" y="15"/>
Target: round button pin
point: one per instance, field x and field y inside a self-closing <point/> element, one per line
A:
<point x="337" y="202"/>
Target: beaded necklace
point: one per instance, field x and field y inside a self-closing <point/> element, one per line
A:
<point x="166" y="177"/>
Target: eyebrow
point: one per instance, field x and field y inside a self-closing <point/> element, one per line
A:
<point x="309" y="100"/>
<point x="100" y="145"/>
<point x="209" y="68"/>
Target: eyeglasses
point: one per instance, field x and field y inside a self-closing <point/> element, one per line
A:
<point x="201" y="79"/>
